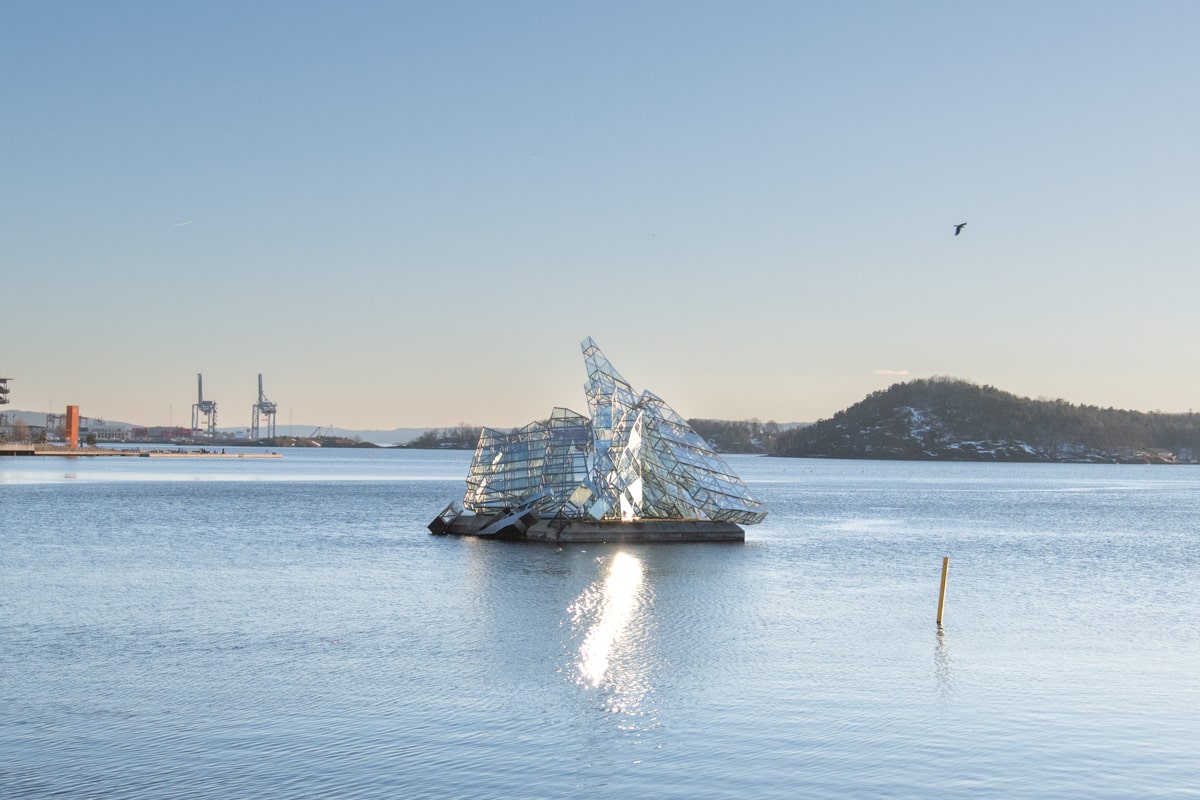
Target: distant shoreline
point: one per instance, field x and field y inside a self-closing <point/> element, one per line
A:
<point x="87" y="451"/>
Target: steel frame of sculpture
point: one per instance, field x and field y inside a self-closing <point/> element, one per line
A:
<point x="510" y="467"/>
<point x="634" y="459"/>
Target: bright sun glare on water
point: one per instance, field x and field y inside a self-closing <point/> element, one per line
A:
<point x="613" y="603"/>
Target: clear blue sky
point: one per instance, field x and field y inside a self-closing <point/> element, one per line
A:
<point x="410" y="214"/>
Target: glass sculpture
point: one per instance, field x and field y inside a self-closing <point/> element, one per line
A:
<point x="634" y="459"/>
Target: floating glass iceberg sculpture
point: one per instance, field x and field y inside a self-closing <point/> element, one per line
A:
<point x="634" y="459"/>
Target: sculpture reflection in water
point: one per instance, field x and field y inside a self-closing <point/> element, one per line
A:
<point x="610" y="616"/>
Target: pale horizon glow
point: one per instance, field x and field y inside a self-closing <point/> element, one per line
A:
<point x="750" y="208"/>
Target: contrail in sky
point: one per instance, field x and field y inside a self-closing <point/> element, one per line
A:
<point x="889" y="372"/>
<point x="181" y="224"/>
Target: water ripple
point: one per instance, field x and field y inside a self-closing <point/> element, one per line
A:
<point x="211" y="638"/>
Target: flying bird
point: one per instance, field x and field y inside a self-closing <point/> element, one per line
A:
<point x="958" y="228"/>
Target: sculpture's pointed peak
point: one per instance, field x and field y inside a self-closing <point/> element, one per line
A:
<point x="597" y="362"/>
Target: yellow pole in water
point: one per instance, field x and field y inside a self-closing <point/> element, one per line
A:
<point x="942" y="595"/>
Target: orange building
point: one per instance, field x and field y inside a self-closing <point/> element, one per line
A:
<point x="72" y="428"/>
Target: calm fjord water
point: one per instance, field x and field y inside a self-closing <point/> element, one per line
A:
<point x="218" y="629"/>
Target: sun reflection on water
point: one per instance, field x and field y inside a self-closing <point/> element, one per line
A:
<point x="614" y="655"/>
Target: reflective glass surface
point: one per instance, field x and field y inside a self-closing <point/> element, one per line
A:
<point x="634" y="458"/>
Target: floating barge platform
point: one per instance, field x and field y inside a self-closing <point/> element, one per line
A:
<point x="527" y="526"/>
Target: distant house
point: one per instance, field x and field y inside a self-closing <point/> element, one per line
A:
<point x="159" y="434"/>
<point x="105" y="433"/>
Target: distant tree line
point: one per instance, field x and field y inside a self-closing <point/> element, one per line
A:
<point x="744" y="436"/>
<point x="462" y="437"/>
<point x="941" y="418"/>
<point x="747" y="436"/>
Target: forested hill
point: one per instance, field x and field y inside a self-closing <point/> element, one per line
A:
<point x="948" y="419"/>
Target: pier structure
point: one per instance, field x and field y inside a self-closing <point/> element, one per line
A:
<point x="265" y="410"/>
<point x="203" y="408"/>
<point x="25" y="449"/>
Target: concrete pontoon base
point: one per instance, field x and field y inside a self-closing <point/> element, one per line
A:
<point x="557" y="531"/>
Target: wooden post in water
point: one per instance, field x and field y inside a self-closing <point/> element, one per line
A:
<point x="942" y="594"/>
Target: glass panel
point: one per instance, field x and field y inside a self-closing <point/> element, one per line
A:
<point x="635" y="458"/>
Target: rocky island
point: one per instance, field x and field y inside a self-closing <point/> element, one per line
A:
<point x="956" y="420"/>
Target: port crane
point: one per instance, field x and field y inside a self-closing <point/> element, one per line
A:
<point x="203" y="408"/>
<point x="264" y="409"/>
